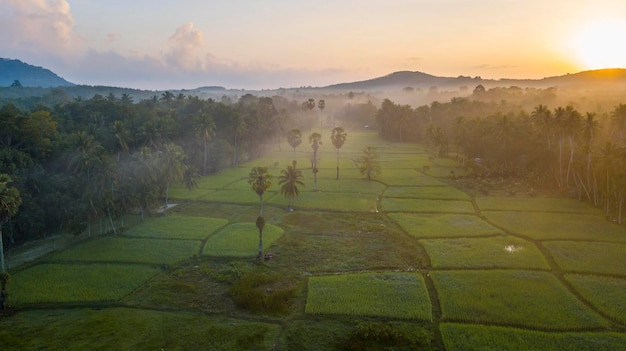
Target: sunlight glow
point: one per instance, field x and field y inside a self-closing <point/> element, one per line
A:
<point x="599" y="45"/>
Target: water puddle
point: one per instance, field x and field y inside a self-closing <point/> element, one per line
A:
<point x="513" y="248"/>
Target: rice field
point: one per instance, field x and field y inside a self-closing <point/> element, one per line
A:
<point x="426" y="192"/>
<point x="535" y="204"/>
<point x="394" y="295"/>
<point x="426" y="206"/>
<point x="241" y="240"/>
<point x="608" y="294"/>
<point x="592" y="257"/>
<point x="175" y="226"/>
<point x="443" y="225"/>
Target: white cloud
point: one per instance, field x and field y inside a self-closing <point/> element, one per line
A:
<point x="38" y="26"/>
<point x="112" y="37"/>
<point x="185" y="48"/>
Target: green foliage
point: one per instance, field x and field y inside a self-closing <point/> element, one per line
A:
<point x="467" y="337"/>
<point x="262" y="292"/>
<point x="368" y="163"/>
<point x="76" y="282"/>
<point x="240" y="240"/>
<point x="515" y="298"/>
<point x="395" y="295"/>
<point x="496" y="252"/>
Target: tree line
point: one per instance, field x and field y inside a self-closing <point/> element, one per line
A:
<point x="559" y="148"/>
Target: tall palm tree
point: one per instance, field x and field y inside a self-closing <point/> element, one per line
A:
<point x="618" y="117"/>
<point x="289" y="180"/>
<point x="321" y="104"/>
<point x="121" y="136"/>
<point x="294" y="138"/>
<point x="172" y="163"/>
<point x="589" y="130"/>
<point x="542" y="118"/>
<point x="10" y="201"/>
<point x="338" y="138"/>
<point x="315" y="139"/>
<point x="205" y="127"/>
<point x="260" y="180"/>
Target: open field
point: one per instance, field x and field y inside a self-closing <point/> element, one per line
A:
<point x="402" y="262"/>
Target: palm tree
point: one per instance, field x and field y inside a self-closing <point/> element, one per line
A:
<point x="321" y="104"/>
<point x="10" y="202"/>
<point x="542" y="117"/>
<point x="294" y="138"/>
<point x="289" y="180"/>
<point x="315" y="139"/>
<point x="172" y="163"/>
<point x="260" y="180"/>
<point x="205" y="126"/>
<point x="618" y="117"/>
<point x="121" y="136"/>
<point x="338" y="138"/>
<point x="589" y="129"/>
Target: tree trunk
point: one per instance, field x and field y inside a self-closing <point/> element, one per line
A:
<point x="571" y="159"/>
<point x="337" y="163"/>
<point x="260" y="254"/>
<point x="204" y="170"/>
<point x="2" y="252"/>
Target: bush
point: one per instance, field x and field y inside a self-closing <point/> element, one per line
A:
<point x="383" y="336"/>
<point x="262" y="292"/>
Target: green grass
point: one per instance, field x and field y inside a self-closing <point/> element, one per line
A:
<point x="443" y="225"/>
<point x="608" y="258"/>
<point x="407" y="177"/>
<point x="177" y="227"/>
<point x="495" y="252"/>
<point x="465" y="337"/>
<point x="606" y="293"/>
<point x="514" y="298"/>
<point x="557" y="226"/>
<point x="117" y="249"/>
<point x="395" y="295"/>
<point x="241" y="240"/>
<point x="426" y="192"/>
<point x="355" y="186"/>
<point x="425" y="205"/>
<point x="537" y="204"/>
<point x="76" y="283"/>
<point x="131" y="329"/>
<point x="243" y="196"/>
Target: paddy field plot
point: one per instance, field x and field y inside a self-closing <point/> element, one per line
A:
<point x="175" y="226"/>
<point x="469" y="337"/>
<point x="494" y="252"/>
<point x="557" y="226"/>
<point x="241" y="240"/>
<point x="515" y="298"/>
<point x="426" y="205"/>
<point x="426" y="192"/>
<point x="536" y="204"/>
<point x="76" y="282"/>
<point x="131" y="250"/>
<point x="394" y="295"/>
<point x="443" y="225"/>
<point x="608" y="294"/>
<point x="242" y="196"/>
<point x="329" y="201"/>
<point x="132" y="329"/>
<point x="593" y="257"/>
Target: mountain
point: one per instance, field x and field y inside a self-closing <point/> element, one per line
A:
<point x="419" y="80"/>
<point x="28" y="75"/>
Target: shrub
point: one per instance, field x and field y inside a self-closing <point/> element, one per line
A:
<point x="384" y="336"/>
<point x="262" y="292"/>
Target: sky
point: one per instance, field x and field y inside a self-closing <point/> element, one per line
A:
<point x="270" y="44"/>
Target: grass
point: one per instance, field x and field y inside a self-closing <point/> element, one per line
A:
<point x="135" y="250"/>
<point x="536" y="204"/>
<point x="557" y="226"/>
<point x="495" y="252"/>
<point x="241" y="240"/>
<point x="426" y="205"/>
<point x="394" y="295"/>
<point x="329" y="201"/>
<point x="76" y="283"/>
<point x="247" y="196"/>
<point x="443" y="225"/>
<point x="608" y="258"/>
<point x="426" y="192"/>
<point x="465" y="337"/>
<point x="605" y="293"/>
<point x="131" y="329"/>
<point x="177" y="227"/>
<point x="514" y="298"/>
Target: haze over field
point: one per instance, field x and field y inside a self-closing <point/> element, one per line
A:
<point x="270" y="44"/>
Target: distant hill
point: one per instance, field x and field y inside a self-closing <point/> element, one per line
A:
<point x="420" y="80"/>
<point x="28" y="75"/>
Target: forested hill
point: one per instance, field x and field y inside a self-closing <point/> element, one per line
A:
<point x="28" y="75"/>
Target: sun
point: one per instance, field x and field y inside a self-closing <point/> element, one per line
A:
<point x="600" y="44"/>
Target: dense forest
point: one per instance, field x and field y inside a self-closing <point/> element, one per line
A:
<point x="81" y="164"/>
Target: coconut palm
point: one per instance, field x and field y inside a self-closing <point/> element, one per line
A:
<point x="10" y="201"/>
<point x="321" y="104"/>
<point x="315" y="139"/>
<point x="338" y="138"/>
<point x="205" y="127"/>
<point x="172" y="163"/>
<point x="260" y="180"/>
<point x="289" y="180"/>
<point x="294" y="138"/>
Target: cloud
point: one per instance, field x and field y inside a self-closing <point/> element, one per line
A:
<point x="185" y="48"/>
<point x="112" y="37"/>
<point x="38" y="26"/>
